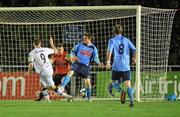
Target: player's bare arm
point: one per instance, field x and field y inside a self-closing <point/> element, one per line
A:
<point x="108" y="64"/>
<point x="134" y="59"/>
<point x="52" y="59"/>
<point x="30" y="67"/>
<point x="51" y="42"/>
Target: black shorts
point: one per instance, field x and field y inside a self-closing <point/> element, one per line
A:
<point x="81" y="70"/>
<point x="121" y="75"/>
<point x="57" y="79"/>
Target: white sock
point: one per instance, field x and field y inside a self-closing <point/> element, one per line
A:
<point x="46" y="97"/>
<point x="66" y="95"/>
<point x="59" y="91"/>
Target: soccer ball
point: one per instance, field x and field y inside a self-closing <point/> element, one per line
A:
<point x="83" y="92"/>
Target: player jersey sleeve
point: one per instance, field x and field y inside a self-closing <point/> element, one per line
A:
<point x="50" y="51"/>
<point x="110" y="46"/>
<point x="95" y="55"/>
<point x="74" y="50"/>
<point x="132" y="47"/>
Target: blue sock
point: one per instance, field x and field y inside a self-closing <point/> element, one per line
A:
<point x="65" y="80"/>
<point x="88" y="93"/>
<point x="116" y="86"/>
<point x="130" y="94"/>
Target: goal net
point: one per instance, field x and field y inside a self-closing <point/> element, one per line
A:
<point x="148" y="28"/>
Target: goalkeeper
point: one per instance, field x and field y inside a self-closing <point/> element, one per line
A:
<point x="81" y="55"/>
<point x="120" y="46"/>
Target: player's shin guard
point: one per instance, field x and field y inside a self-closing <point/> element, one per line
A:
<point x="88" y="93"/>
<point x="65" y="80"/>
<point x="116" y="86"/>
<point x="130" y="94"/>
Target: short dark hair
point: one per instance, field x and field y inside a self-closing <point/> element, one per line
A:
<point x="37" y="41"/>
<point x="118" y="29"/>
<point x="88" y="35"/>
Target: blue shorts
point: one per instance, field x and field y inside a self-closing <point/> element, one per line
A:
<point x="121" y="75"/>
<point x="81" y="70"/>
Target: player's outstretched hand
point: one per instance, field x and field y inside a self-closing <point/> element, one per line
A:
<point x="133" y="61"/>
<point x="108" y="66"/>
<point x="101" y="65"/>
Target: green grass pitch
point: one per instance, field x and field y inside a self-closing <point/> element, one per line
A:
<point x="111" y="108"/>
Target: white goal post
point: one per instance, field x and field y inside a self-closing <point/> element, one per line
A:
<point x="148" y="28"/>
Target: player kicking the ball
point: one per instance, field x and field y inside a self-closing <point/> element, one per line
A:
<point x="61" y="67"/>
<point x="82" y="54"/>
<point x="38" y="58"/>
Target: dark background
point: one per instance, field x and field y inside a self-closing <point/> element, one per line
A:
<point x="174" y="57"/>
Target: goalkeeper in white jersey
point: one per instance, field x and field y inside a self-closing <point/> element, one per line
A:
<point x="38" y="58"/>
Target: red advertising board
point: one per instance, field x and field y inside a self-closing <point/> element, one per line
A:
<point x="17" y="86"/>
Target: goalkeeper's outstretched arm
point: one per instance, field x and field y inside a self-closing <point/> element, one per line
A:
<point x="51" y="42"/>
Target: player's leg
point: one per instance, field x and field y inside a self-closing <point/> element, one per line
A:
<point x="68" y="88"/>
<point x="110" y="89"/>
<point x="46" y="80"/>
<point x="127" y="78"/>
<point x="58" y="82"/>
<point x="66" y="79"/>
<point x="115" y="81"/>
<point x="59" y="91"/>
<point x="111" y="86"/>
<point x="41" y="95"/>
<point x="130" y="92"/>
<point x="44" y="83"/>
<point x="87" y="83"/>
<point x="116" y="85"/>
<point x="57" y="79"/>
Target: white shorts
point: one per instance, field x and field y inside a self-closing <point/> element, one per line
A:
<point x="46" y="81"/>
<point x="46" y="70"/>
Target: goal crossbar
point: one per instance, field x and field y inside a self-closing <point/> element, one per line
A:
<point x="68" y="8"/>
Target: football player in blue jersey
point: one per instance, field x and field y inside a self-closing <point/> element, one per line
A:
<point x="82" y="55"/>
<point x="121" y="47"/>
